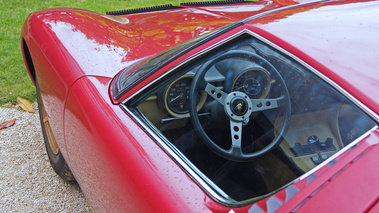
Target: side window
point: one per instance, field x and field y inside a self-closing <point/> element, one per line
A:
<point x="249" y="118"/>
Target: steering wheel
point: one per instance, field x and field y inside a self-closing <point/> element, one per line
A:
<point x="238" y="107"/>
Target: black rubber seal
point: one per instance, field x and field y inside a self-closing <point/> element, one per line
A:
<point x="212" y="3"/>
<point x="143" y="10"/>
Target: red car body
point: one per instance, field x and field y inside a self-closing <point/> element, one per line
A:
<point x="75" y="55"/>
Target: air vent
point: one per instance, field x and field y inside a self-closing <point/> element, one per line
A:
<point x="211" y="3"/>
<point x="142" y="10"/>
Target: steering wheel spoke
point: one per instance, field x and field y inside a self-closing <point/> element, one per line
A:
<point x="236" y="133"/>
<point x="265" y="104"/>
<point x="216" y="93"/>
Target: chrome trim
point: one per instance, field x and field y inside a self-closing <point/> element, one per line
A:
<point x="121" y="20"/>
<point x="207" y="185"/>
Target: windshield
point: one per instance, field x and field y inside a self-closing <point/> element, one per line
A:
<point x="250" y="119"/>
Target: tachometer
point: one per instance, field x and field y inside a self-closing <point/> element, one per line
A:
<point x="254" y="82"/>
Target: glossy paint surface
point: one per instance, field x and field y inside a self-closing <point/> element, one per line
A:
<point x="242" y="11"/>
<point x="103" y="46"/>
<point x="114" y="161"/>
<point x="360" y="195"/>
<point x="76" y="54"/>
<point x="116" y="164"/>
<point x="67" y="44"/>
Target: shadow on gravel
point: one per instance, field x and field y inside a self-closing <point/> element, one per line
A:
<point x="27" y="182"/>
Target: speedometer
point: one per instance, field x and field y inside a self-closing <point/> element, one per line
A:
<point x="177" y="97"/>
<point x="253" y="82"/>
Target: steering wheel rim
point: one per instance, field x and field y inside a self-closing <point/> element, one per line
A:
<point x="238" y="107"/>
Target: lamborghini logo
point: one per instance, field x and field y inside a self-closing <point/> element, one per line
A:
<point x="239" y="106"/>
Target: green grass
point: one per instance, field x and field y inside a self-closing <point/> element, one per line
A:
<point x="14" y="80"/>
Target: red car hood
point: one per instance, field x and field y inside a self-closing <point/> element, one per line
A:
<point x="102" y="45"/>
<point x="335" y="37"/>
<point x="339" y="38"/>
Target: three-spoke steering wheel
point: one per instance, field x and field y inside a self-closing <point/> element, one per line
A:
<point x="238" y="107"/>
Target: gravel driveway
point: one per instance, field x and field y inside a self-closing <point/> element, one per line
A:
<point x="27" y="182"/>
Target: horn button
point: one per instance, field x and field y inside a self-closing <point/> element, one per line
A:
<point x="238" y="106"/>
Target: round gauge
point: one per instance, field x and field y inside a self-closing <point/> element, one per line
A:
<point x="253" y="82"/>
<point x="177" y="97"/>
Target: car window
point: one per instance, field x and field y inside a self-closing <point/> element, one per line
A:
<point x="249" y="118"/>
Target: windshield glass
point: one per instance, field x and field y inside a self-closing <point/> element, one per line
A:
<point x="249" y="118"/>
